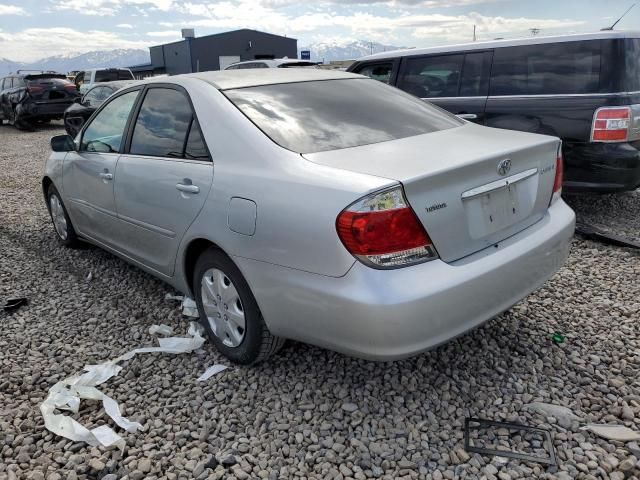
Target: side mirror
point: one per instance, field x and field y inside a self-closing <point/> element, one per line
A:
<point x="62" y="143"/>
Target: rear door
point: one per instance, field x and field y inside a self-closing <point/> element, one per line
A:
<point x="163" y="179"/>
<point x="89" y="173"/>
<point x="457" y="82"/>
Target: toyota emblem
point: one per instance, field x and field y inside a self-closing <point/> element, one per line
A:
<point x="504" y="166"/>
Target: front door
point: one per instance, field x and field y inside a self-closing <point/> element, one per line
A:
<point x="456" y="82"/>
<point x="89" y="173"/>
<point x="162" y="180"/>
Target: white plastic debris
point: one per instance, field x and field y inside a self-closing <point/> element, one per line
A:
<point x="211" y="371"/>
<point x="189" y="308"/>
<point x="613" y="432"/>
<point x="89" y="276"/>
<point x="168" y="296"/>
<point x="564" y="415"/>
<point x="161" y="329"/>
<point x="67" y="394"/>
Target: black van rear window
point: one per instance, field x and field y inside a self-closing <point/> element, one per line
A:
<point x="633" y="65"/>
<point x="548" y="68"/>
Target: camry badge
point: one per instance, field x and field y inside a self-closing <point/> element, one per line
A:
<point x="504" y="166"/>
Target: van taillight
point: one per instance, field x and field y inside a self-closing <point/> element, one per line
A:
<point x="382" y="231"/>
<point x="611" y="124"/>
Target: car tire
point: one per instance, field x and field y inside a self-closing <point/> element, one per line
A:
<point x="229" y="312"/>
<point x="62" y="225"/>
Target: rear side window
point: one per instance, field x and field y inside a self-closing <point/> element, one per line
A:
<point x="162" y="125"/>
<point x="316" y="116"/>
<point x="431" y="77"/>
<point x="474" y="81"/>
<point x="195" y="149"/>
<point x="111" y="75"/>
<point x="552" y="68"/>
<point x="632" y="54"/>
<point x="104" y="133"/>
<point x="378" y="71"/>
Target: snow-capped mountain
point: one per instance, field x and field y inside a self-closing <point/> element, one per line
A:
<point x="339" y="50"/>
<point x="80" y="61"/>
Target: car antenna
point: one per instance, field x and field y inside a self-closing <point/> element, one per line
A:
<point x="621" y="17"/>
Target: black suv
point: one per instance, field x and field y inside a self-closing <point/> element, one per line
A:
<point x="30" y="98"/>
<point x="584" y="89"/>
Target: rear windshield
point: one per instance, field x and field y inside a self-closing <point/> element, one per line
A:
<point x="48" y="81"/>
<point x="632" y="53"/>
<point x="551" y="68"/>
<point x="111" y="75"/>
<point x="325" y="115"/>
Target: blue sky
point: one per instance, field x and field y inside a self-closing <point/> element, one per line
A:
<point x="32" y="29"/>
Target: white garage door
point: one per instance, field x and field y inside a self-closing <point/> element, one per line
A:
<point x="227" y="60"/>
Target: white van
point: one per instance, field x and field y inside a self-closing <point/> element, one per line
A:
<point x="86" y="78"/>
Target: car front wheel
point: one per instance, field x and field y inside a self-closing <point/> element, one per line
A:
<point x="61" y="221"/>
<point x="229" y="312"/>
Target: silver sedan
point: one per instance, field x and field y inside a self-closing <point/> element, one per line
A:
<point x="313" y="205"/>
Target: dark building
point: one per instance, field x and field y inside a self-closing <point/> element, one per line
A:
<point x="214" y="52"/>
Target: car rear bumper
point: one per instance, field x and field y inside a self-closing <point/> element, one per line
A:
<point x="602" y="167"/>
<point x="391" y="314"/>
<point x="30" y="110"/>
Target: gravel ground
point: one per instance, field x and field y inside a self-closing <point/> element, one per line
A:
<point x="308" y="413"/>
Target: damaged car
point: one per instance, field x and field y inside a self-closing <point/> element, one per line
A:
<point x="27" y="99"/>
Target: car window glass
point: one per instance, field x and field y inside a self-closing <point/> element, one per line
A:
<point x="555" y="68"/>
<point x="2" y="84"/>
<point x="195" y="148"/>
<point x="125" y="75"/>
<point x="9" y="82"/>
<point x="232" y="67"/>
<point x="104" y="133"/>
<point x="92" y="97"/>
<point x="428" y="77"/>
<point x="106" y="76"/>
<point x="380" y="72"/>
<point x="633" y="65"/>
<point x="472" y="80"/>
<point x="317" y="116"/>
<point x="162" y="124"/>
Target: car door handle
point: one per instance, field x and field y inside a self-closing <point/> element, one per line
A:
<point x="106" y="176"/>
<point x="467" y="116"/>
<point x="189" y="188"/>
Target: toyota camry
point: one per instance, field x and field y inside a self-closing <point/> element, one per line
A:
<point x="313" y="205"/>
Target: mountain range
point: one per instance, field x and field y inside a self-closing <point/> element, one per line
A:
<point x="123" y="57"/>
<point x="322" y="51"/>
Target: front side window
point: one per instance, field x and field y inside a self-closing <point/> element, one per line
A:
<point x="162" y="124"/>
<point x="379" y="71"/>
<point x="104" y="134"/>
<point x="473" y="82"/>
<point x="431" y="77"/>
<point x="550" y="68"/>
<point x="316" y="116"/>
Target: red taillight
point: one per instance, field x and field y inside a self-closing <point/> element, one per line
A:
<point x="383" y="231"/>
<point x="611" y="124"/>
<point x="35" y="89"/>
<point x="557" y="182"/>
<point x="71" y="86"/>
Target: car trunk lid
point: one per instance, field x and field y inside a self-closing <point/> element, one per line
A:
<point x="471" y="186"/>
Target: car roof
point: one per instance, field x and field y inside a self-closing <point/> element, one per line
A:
<point x="275" y="61"/>
<point x="253" y="77"/>
<point x="501" y="43"/>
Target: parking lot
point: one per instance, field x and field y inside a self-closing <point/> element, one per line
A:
<point x="308" y="412"/>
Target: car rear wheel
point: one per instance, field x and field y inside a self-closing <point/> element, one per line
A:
<point x="229" y="312"/>
<point x="61" y="221"/>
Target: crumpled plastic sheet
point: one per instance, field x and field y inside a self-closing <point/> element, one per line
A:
<point x="210" y="372"/>
<point x="613" y="432"/>
<point x="161" y="329"/>
<point x="67" y="394"/>
<point x="188" y="305"/>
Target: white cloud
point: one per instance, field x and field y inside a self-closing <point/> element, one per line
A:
<point x="124" y="25"/>
<point x="165" y="33"/>
<point x="111" y="7"/>
<point x="11" y="10"/>
<point x="35" y="43"/>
